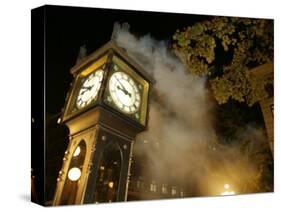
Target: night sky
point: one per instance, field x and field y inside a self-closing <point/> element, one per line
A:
<point x="68" y="28"/>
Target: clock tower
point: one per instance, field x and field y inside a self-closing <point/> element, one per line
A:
<point x="106" y="107"/>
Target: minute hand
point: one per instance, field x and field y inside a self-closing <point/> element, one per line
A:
<point x="123" y="88"/>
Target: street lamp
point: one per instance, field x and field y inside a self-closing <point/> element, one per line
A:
<point x="227" y="190"/>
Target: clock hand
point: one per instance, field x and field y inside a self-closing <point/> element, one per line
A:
<point x="86" y="89"/>
<point x="120" y="83"/>
<point x="123" y="88"/>
<point x="125" y="91"/>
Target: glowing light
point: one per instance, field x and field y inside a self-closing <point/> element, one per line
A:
<point x="174" y="190"/>
<point x="102" y="168"/>
<point x="74" y="174"/>
<point x="110" y="184"/>
<point x="77" y="151"/>
<point x="59" y="120"/>
<point x="226" y="186"/>
<point x="227" y="192"/>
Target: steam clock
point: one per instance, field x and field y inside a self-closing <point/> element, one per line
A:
<point x="105" y="109"/>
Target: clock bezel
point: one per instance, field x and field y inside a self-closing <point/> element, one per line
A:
<point x="82" y="81"/>
<point x="94" y="65"/>
<point x="135" y="89"/>
<point x="125" y="67"/>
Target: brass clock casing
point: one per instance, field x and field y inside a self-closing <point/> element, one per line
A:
<point x="71" y="107"/>
<point x="111" y="59"/>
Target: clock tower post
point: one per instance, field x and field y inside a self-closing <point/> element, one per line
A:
<point x="106" y="107"/>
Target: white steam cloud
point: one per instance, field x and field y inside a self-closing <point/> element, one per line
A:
<point x="180" y="137"/>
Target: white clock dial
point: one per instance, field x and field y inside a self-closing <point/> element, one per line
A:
<point x="89" y="89"/>
<point x="124" y="92"/>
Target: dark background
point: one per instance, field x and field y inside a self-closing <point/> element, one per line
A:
<point x="68" y="28"/>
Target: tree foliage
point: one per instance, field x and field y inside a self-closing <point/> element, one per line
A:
<point x="224" y="49"/>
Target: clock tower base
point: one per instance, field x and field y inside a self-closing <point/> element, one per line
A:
<point x="104" y="159"/>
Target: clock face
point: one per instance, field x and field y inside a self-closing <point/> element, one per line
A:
<point x="124" y="92"/>
<point x="89" y="89"/>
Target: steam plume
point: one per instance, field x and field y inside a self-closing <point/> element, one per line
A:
<point x="180" y="136"/>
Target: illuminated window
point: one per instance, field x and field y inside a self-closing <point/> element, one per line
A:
<point x="153" y="186"/>
<point x="182" y="193"/>
<point x="174" y="190"/>
<point x="140" y="183"/>
<point x="164" y="188"/>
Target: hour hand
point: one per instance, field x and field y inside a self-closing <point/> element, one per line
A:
<point x="124" y="90"/>
<point x="86" y="89"/>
